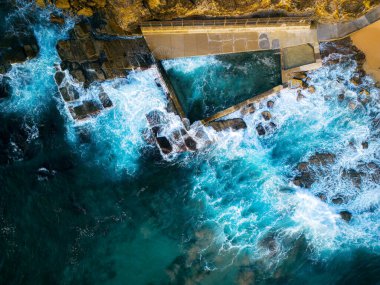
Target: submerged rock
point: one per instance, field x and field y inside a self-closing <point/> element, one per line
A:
<point x="260" y="129"/>
<point x="346" y="215"/>
<point x="322" y="196"/>
<point x="266" y="115"/>
<point x="337" y="200"/>
<point x="248" y="109"/>
<point x="5" y="87"/>
<point x="300" y="96"/>
<point x="233" y="124"/>
<point x="164" y="145"/>
<point x="86" y="110"/>
<point x="18" y="45"/>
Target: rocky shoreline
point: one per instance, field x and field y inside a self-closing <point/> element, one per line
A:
<point x="127" y="15"/>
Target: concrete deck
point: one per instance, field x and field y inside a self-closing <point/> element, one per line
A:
<point x="178" y="39"/>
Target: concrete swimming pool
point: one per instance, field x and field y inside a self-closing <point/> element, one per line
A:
<point x="209" y="84"/>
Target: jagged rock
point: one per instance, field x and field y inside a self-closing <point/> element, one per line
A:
<point x="89" y="58"/>
<point x="69" y="93"/>
<point x="352" y="105"/>
<point x="248" y="109"/>
<point x="62" y="4"/>
<point x="85" y="110"/>
<point x="164" y="145"/>
<point x="313" y="167"/>
<point x="337" y="200"/>
<point x="266" y="115"/>
<point x="59" y="77"/>
<point x="156" y="118"/>
<point x="346" y="215"/>
<point x="105" y="100"/>
<point x="311" y="89"/>
<point x="365" y="92"/>
<point x="322" y="159"/>
<point x="129" y="13"/>
<point x="354" y="176"/>
<point x="270" y="104"/>
<point x="296" y="83"/>
<point x="260" y="129"/>
<point x="5" y="88"/>
<point x="44" y="174"/>
<point x="56" y="19"/>
<point x="233" y="124"/>
<point x="300" y="75"/>
<point x="356" y="80"/>
<point x="322" y="196"/>
<point x="190" y="143"/>
<point x="300" y="96"/>
<point x="87" y="12"/>
<point x="84" y="135"/>
<point x="17" y="45"/>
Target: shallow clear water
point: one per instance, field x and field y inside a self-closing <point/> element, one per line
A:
<point x="207" y="85"/>
<point x="115" y="212"/>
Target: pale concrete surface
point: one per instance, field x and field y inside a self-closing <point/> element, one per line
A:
<point x="166" y="41"/>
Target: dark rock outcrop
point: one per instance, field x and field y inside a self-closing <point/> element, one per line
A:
<point x="17" y="40"/>
<point x="71" y="94"/>
<point x="168" y="140"/>
<point x="346" y="215"/>
<point x="5" y="87"/>
<point x="233" y="124"/>
<point x="92" y="58"/>
<point x="308" y="171"/>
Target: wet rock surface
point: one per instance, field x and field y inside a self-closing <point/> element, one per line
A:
<point x="18" y="140"/>
<point x="346" y="215"/>
<point x="309" y="170"/>
<point x="172" y="140"/>
<point x="5" y="87"/>
<point x="232" y="124"/>
<point x="17" y="40"/>
<point x="89" y="57"/>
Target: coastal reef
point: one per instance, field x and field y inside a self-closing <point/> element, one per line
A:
<point x="128" y="14"/>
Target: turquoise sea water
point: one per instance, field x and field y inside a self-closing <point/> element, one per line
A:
<point x="111" y="210"/>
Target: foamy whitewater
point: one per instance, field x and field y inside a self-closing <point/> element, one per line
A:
<point x="120" y="213"/>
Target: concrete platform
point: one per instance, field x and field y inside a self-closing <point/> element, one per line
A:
<point x="177" y="39"/>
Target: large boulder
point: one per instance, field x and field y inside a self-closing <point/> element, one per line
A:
<point x="308" y="171"/>
<point x="346" y="215"/>
<point x="232" y="124"/>
<point x="5" y="87"/>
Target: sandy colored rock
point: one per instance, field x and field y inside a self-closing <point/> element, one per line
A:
<point x="62" y="4"/>
<point x="127" y="14"/>
<point x="87" y="12"/>
<point x="367" y="40"/>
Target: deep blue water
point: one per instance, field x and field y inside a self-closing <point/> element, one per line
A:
<point x="113" y="211"/>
